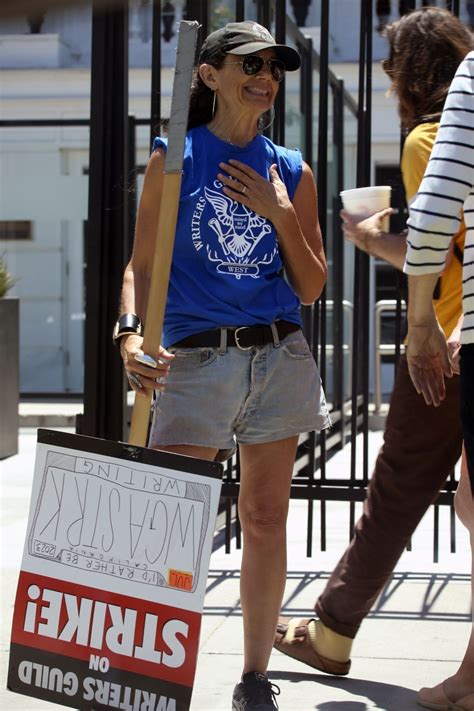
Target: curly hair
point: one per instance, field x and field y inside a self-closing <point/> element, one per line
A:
<point x="426" y="48"/>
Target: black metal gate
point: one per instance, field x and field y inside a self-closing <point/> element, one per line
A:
<point x="347" y="382"/>
<point x="337" y="327"/>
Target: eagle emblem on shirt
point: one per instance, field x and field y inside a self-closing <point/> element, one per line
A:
<point x="238" y="229"/>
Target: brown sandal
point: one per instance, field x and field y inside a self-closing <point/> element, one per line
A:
<point x="293" y="639"/>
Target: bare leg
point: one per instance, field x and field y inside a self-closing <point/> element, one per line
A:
<point x="460" y="686"/>
<point x="266" y="471"/>
<point x="462" y="682"/>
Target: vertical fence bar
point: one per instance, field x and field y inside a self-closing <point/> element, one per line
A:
<point x="338" y="375"/>
<point x="238" y="529"/>
<point x="155" y="99"/>
<point x="452" y="522"/>
<point x="315" y="311"/>
<point x="239" y="10"/>
<point x="398" y="317"/>
<point x="131" y="185"/>
<point x="453" y="6"/>
<point x="131" y="196"/>
<point x="322" y="165"/>
<point x="107" y="234"/>
<point x="306" y="105"/>
<point x="280" y="36"/>
<point x="338" y="259"/>
<point x="198" y="10"/>
<point x="399" y="282"/>
<point x="357" y="263"/>
<point x="204" y="17"/>
<point x="436" y="533"/>
<point x="323" y="125"/>
<point x="264" y="13"/>
<point x="361" y="267"/>
<point x="228" y="523"/>
<point x="365" y="343"/>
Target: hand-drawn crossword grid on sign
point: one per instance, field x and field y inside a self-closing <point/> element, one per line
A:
<point x="116" y="519"/>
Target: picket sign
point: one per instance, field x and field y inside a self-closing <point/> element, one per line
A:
<point x="119" y="537"/>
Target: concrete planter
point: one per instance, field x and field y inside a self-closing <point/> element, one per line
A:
<point x="9" y="376"/>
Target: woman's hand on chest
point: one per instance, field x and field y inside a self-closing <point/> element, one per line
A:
<point x="268" y="198"/>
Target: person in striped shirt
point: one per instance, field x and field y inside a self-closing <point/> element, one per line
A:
<point x="445" y="194"/>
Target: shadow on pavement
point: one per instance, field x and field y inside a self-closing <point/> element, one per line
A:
<point x="385" y="697"/>
<point x="435" y="585"/>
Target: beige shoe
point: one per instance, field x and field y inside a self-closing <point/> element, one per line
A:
<point x="292" y="638"/>
<point x="435" y="697"/>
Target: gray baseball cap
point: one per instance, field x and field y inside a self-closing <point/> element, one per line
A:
<point x="245" y="38"/>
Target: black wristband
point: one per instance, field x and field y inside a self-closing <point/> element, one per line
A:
<point x="126" y="324"/>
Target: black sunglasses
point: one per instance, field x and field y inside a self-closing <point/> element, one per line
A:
<point x="253" y="64"/>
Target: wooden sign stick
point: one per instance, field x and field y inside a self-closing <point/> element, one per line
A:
<point x="167" y="219"/>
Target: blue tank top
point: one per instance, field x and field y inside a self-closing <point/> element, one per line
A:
<point x="227" y="269"/>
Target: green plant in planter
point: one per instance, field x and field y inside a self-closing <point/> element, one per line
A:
<point x="6" y="279"/>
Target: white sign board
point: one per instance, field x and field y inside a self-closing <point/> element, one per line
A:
<point x="113" y="577"/>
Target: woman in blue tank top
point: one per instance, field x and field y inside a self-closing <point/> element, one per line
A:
<point x="234" y="366"/>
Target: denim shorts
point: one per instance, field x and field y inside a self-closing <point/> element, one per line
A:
<point x="215" y="399"/>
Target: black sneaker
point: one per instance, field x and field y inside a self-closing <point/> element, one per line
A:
<point x="255" y="693"/>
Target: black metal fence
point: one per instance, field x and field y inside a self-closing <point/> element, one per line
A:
<point x="337" y="328"/>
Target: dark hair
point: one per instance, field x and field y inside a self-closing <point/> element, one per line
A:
<point x="202" y="97"/>
<point x="426" y="48"/>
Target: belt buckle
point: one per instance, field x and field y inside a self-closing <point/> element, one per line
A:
<point x="236" y="338"/>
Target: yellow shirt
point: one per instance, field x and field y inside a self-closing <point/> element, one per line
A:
<point x="416" y="152"/>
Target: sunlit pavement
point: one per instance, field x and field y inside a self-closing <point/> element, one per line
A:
<point x="415" y="635"/>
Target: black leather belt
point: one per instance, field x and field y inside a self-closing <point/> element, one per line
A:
<point x="243" y="337"/>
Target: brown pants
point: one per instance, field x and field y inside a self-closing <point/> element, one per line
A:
<point x="421" y="446"/>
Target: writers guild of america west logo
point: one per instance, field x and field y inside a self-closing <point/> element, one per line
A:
<point x="238" y="231"/>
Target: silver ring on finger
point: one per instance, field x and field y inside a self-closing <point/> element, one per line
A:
<point x="244" y="190"/>
<point x="135" y="380"/>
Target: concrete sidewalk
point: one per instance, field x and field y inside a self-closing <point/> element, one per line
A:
<point x="415" y="636"/>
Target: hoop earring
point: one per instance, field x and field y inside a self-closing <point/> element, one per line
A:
<point x="214" y="102"/>
<point x="271" y="112"/>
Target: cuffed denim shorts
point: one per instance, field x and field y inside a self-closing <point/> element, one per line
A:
<point x="264" y="394"/>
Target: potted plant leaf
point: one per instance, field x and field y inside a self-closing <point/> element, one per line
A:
<point x="9" y="358"/>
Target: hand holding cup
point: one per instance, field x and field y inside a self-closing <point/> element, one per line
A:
<point x="360" y="203"/>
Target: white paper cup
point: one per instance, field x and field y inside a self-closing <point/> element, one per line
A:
<point x="363" y="202"/>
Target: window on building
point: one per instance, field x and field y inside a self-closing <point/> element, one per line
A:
<point x="15" y="230"/>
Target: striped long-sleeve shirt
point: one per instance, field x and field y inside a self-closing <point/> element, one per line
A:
<point x="446" y="190"/>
